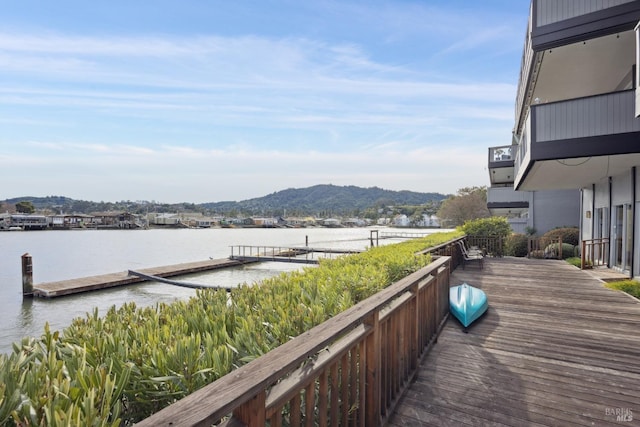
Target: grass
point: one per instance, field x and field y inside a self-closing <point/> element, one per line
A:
<point x="632" y="287"/>
<point x="576" y="261"/>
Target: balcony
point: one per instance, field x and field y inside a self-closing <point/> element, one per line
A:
<point x="505" y="201"/>
<point x="575" y="48"/>
<point x="501" y="165"/>
<point x="573" y="143"/>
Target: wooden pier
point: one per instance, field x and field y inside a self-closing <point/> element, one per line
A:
<point x="105" y="281"/>
<point x="301" y="255"/>
<point x="556" y="347"/>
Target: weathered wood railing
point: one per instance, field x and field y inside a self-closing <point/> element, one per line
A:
<point x="490" y="245"/>
<point x="594" y="252"/>
<point x="543" y="247"/>
<point x="349" y="370"/>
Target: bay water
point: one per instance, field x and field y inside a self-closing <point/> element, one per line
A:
<point x="69" y="254"/>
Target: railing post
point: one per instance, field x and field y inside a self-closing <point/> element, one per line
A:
<point x="253" y="412"/>
<point x="582" y="254"/>
<point x="373" y="392"/>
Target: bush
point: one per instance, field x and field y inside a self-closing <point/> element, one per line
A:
<point x="487" y="227"/>
<point x="120" y="368"/>
<point x="569" y="235"/>
<point x="551" y="251"/>
<point x="517" y="245"/>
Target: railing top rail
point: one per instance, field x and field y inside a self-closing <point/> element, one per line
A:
<point x="214" y="401"/>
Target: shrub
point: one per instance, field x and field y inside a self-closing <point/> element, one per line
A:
<point x="487" y="227"/>
<point x="569" y="235"/>
<point x="517" y="245"/>
<point x="120" y="368"/>
<point x="551" y="251"/>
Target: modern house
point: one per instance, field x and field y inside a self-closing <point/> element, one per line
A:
<point x="527" y="211"/>
<point x="576" y="123"/>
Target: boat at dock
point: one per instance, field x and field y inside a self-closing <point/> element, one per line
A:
<point x="467" y="303"/>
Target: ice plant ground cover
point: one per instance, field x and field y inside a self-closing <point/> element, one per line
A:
<point x="131" y="362"/>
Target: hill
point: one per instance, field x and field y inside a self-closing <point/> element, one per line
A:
<point x="328" y="199"/>
<point x="319" y="199"/>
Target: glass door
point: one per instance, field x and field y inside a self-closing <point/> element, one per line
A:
<point x="622" y="236"/>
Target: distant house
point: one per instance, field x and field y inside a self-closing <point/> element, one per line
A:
<point x="164" y="219"/>
<point x="22" y="222"/>
<point x="66" y="221"/>
<point x="429" y="221"/>
<point x="265" y="222"/>
<point x="354" y="222"/>
<point x="383" y="221"/>
<point x="117" y="220"/>
<point x="401" y="221"/>
<point x="332" y="222"/>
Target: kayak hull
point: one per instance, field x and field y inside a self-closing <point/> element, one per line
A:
<point x="467" y="303"/>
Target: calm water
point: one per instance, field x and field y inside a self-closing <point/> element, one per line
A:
<point x="60" y="255"/>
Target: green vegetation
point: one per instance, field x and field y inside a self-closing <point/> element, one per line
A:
<point x="575" y="261"/>
<point x="134" y="361"/>
<point x="325" y="200"/>
<point x="468" y="204"/>
<point x="632" y="287"/>
<point x="517" y="245"/>
<point x="25" y="207"/>
<point x="495" y="226"/>
<point x="570" y="235"/>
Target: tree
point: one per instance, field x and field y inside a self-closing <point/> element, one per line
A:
<point x="469" y="203"/>
<point x="25" y="207"/>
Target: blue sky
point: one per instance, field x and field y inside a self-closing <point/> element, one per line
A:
<point x="200" y="101"/>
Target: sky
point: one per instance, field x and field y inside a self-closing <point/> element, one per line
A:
<point x="205" y="100"/>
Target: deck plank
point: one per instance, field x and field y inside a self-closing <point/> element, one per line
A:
<point x="556" y="347"/>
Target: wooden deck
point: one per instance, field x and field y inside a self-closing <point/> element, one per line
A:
<point x="555" y="348"/>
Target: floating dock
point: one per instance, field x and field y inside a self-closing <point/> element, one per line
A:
<point x="105" y="281"/>
<point x="300" y="255"/>
<point x="239" y="255"/>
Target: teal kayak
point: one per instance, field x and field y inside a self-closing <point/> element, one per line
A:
<point x="467" y="303"/>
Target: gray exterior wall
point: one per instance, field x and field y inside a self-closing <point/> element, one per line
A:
<point x="550" y="11"/>
<point x="552" y="209"/>
<point x="581" y="118"/>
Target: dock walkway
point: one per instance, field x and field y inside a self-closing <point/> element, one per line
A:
<point x="555" y="348"/>
<point x="104" y="281"/>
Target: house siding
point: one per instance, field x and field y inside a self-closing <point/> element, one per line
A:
<point x="551" y="11"/>
<point x="558" y="208"/>
<point x="613" y="113"/>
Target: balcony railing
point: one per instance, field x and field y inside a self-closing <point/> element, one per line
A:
<point x="608" y="114"/>
<point x="506" y="195"/>
<point x="500" y="154"/>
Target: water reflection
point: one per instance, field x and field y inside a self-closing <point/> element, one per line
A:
<point x="25" y="320"/>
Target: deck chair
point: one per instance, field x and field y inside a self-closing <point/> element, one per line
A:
<point x="469" y="251"/>
<point x="468" y="258"/>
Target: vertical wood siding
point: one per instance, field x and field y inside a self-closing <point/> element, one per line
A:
<point x="580" y="118"/>
<point x="550" y="11"/>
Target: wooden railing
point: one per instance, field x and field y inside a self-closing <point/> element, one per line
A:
<point x="594" y="252"/>
<point x="490" y="245"/>
<point x="543" y="247"/>
<point x="349" y="370"/>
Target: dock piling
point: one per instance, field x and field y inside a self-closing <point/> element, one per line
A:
<point x="27" y="275"/>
